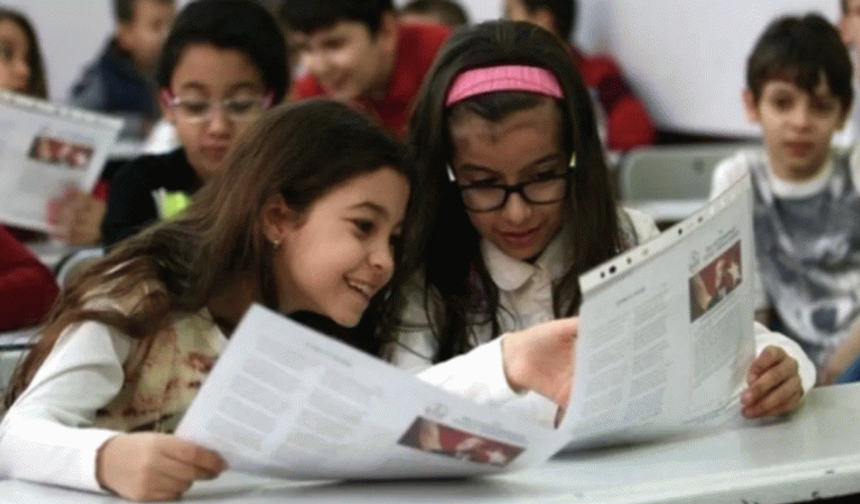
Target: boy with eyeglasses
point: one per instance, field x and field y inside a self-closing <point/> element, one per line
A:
<point x="223" y="63"/>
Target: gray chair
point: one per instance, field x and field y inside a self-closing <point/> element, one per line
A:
<point x="670" y="182"/>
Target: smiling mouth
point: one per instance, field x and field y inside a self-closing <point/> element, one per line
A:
<point x="363" y="288"/>
<point x="520" y="238"/>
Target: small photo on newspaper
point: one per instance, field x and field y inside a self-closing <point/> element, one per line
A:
<point x="434" y="437"/>
<point x="60" y="152"/>
<point x="715" y="281"/>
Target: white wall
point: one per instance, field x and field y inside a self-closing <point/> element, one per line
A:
<point x="684" y="57"/>
<point x="71" y="32"/>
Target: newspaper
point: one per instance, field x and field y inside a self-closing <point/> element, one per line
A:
<point x="662" y="345"/>
<point x="666" y="330"/>
<point x="286" y="401"/>
<point x="44" y="149"/>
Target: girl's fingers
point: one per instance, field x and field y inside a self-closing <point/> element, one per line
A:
<point x="779" y="401"/>
<point x="205" y="462"/>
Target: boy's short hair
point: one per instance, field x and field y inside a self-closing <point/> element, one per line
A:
<point x="449" y="11"/>
<point x="844" y="4"/>
<point x="123" y="10"/>
<point x="241" y="25"/>
<point x="563" y="11"/>
<point x="800" y="50"/>
<point x="308" y="16"/>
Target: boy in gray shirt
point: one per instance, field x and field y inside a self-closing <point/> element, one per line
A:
<point x="807" y="202"/>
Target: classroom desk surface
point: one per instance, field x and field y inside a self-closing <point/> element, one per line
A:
<point x="813" y="455"/>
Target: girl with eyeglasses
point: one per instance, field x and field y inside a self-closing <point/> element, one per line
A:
<point x="223" y="63"/>
<point x="515" y="181"/>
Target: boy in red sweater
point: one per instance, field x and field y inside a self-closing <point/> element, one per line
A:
<point x="628" y="123"/>
<point x="358" y="51"/>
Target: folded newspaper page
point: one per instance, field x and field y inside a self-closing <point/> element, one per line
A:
<point x="666" y="330"/>
<point x="665" y="340"/>
<point x="44" y="149"/>
<point x="287" y="401"/>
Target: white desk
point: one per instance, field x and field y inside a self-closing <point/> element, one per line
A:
<point x="815" y="454"/>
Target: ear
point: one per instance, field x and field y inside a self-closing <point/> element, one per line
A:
<point x="545" y="19"/>
<point x="123" y="35"/>
<point x="751" y="107"/>
<point x="845" y="31"/>
<point x="164" y="104"/>
<point x="843" y="118"/>
<point x="389" y="28"/>
<point x="277" y="219"/>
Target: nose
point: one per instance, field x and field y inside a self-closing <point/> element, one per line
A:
<point x="382" y="259"/>
<point x="315" y="63"/>
<point x="516" y="209"/>
<point x="801" y="116"/>
<point x="218" y="123"/>
<point x="22" y="71"/>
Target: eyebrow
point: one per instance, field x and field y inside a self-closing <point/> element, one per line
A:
<point x="370" y="205"/>
<point x="534" y="164"/>
<point x="377" y="209"/>
<point x="199" y="86"/>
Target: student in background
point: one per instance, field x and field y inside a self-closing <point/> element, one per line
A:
<point x="628" y="123"/>
<point x="223" y="63"/>
<point x="442" y="12"/>
<point x="505" y="136"/>
<point x="76" y="216"/>
<point x="806" y="195"/>
<point x="358" y="51"/>
<point x="119" y="81"/>
<point x="21" y="67"/>
<point x="849" y="29"/>
<point x="303" y="219"/>
<point x="27" y="287"/>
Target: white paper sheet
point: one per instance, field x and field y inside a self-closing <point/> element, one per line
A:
<point x="284" y="400"/>
<point x="666" y="330"/>
<point x="45" y="148"/>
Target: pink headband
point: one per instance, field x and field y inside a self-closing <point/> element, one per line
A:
<point x="503" y="78"/>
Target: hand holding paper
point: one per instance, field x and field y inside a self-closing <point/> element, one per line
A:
<point x="150" y="466"/>
<point x="540" y="358"/>
<point x="774" y="385"/>
<point x="76" y="217"/>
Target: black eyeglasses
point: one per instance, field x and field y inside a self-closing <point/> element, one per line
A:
<point x="489" y="197"/>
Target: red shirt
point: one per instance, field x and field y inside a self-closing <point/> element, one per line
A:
<point x="628" y="123"/>
<point x="417" y="45"/>
<point x="27" y="288"/>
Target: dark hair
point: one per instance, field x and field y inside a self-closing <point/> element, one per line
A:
<point x="37" y="85"/>
<point x="844" y="4"/>
<point x="300" y="151"/>
<point x="123" y="10"/>
<point x="308" y="16"/>
<point x="241" y="25"/>
<point x="453" y="266"/>
<point x="449" y="11"/>
<point x="563" y="14"/>
<point x="799" y="50"/>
